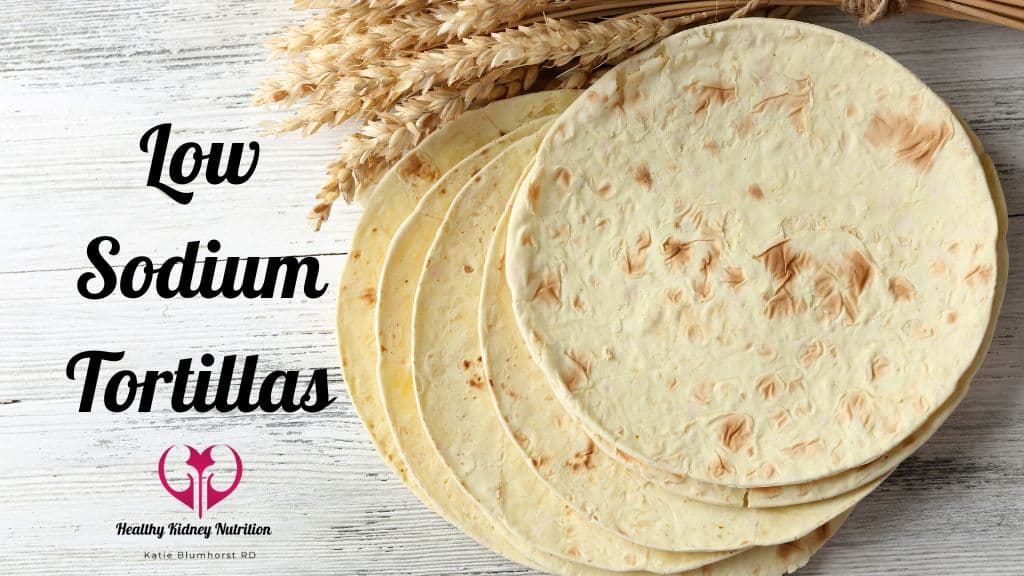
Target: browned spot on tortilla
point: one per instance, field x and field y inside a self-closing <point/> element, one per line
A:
<point x="802" y="448"/>
<point x="562" y="233"/>
<point x="855" y="405"/>
<point x="852" y="111"/>
<point x="580" y="361"/>
<point x="953" y="248"/>
<point x="356" y="255"/>
<point x="782" y="262"/>
<point x="939" y="268"/>
<point x="712" y="147"/>
<point x="578" y="304"/>
<point x="769" y="471"/>
<point x="922" y="331"/>
<point x="694" y="333"/>
<point x="830" y="300"/>
<point x="563" y="176"/>
<point x="782" y="304"/>
<point x="583" y="459"/>
<point x="920" y="404"/>
<point x="702" y="392"/>
<point x="636" y="260"/>
<point x="600" y="223"/>
<point x="703" y="286"/>
<point x="467" y="269"/>
<point x="676" y="253"/>
<point x="980" y="275"/>
<point x="796" y="385"/>
<point x="635" y="264"/>
<point x="859" y="272"/>
<point x="745" y="127"/>
<point x="708" y="94"/>
<point x="901" y="289"/>
<point x="417" y="166"/>
<point x="794" y="103"/>
<point x="734" y="431"/>
<point x="572" y="552"/>
<point x="780" y="418"/>
<point x="675" y="295"/>
<point x="526" y="238"/>
<point x="369" y="296"/>
<point x="811" y="352"/>
<point x="467" y="364"/>
<point x="520" y="437"/>
<point x="549" y="289"/>
<point x="475" y="381"/>
<point x="532" y="194"/>
<point x="642" y="174"/>
<point x="755" y="192"/>
<point x="734" y="276"/>
<point x="879" y="366"/>
<point x="539" y="462"/>
<point x="767" y="353"/>
<point x="768" y="386"/>
<point x="912" y="142"/>
<point x="570" y="379"/>
<point x="952" y="317"/>
<point x="718" y="467"/>
<point x="605" y="190"/>
<point x="890" y="425"/>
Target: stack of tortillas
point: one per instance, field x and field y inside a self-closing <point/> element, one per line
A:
<point x="683" y="321"/>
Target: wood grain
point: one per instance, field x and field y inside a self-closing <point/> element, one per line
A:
<point x="81" y="81"/>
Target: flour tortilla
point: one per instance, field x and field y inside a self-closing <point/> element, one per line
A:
<point x="850" y="479"/>
<point x="595" y="483"/>
<point x="392" y="199"/>
<point x="763" y="315"/>
<point x="456" y="408"/>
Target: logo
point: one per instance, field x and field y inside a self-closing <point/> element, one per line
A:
<point x="199" y="496"/>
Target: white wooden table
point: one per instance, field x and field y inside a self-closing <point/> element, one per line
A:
<point x="79" y="84"/>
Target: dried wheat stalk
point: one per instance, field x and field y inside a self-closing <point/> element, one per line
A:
<point x="408" y="67"/>
<point x="383" y="140"/>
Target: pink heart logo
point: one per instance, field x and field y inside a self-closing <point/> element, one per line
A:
<point x="199" y="496"/>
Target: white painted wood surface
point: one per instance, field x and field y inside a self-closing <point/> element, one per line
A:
<point x="81" y="81"/>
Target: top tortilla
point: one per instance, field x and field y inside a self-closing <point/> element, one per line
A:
<point x="520" y="393"/>
<point x="759" y="254"/>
